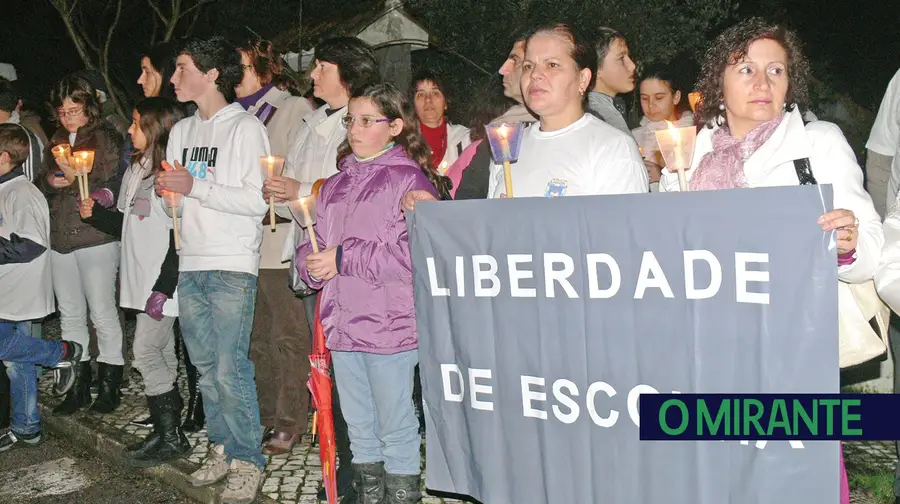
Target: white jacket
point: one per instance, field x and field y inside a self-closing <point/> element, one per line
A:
<point x="221" y="224"/>
<point x="312" y="157"/>
<point x="832" y="161"/>
<point x="458" y="138"/>
<point x="145" y="239"/>
<point x="888" y="273"/>
<point x="282" y="114"/>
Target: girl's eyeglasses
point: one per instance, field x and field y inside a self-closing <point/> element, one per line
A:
<point x="70" y="113"/>
<point x="364" y="121"/>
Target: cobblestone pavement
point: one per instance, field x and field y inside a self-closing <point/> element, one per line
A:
<point x="289" y="478"/>
<point x="296" y="477"/>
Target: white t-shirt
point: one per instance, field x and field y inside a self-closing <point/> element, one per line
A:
<point x="587" y="157"/>
<point x="26" y="289"/>
<point x="885" y="136"/>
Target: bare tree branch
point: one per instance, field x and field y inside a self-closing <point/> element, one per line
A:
<point x="104" y="61"/>
<point x="196" y="6"/>
<point x="158" y="11"/>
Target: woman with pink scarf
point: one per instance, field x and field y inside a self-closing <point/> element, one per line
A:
<point x="754" y="82"/>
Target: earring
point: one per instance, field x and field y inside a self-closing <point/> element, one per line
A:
<point x="722" y="106"/>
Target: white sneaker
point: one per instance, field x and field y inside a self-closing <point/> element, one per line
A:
<point x="213" y="469"/>
<point x="243" y="483"/>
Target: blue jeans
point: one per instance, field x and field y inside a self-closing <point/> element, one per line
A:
<point x="376" y="399"/>
<point x="216" y="316"/>
<point x="22" y="353"/>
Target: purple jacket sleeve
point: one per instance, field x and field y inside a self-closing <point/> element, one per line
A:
<point x="387" y="261"/>
<point x="305" y="247"/>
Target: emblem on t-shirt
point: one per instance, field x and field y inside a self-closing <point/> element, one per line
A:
<point x="556" y="188"/>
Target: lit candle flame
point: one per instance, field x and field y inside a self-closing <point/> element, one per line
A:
<point x="271" y="160"/>
<point x="673" y="131"/>
<point x="503" y="131"/>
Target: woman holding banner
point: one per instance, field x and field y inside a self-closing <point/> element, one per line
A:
<point x="569" y="152"/>
<point x="754" y="82"/>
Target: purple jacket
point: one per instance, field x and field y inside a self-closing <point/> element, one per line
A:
<point x="368" y="306"/>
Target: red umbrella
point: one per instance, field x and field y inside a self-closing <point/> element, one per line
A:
<point x="323" y="421"/>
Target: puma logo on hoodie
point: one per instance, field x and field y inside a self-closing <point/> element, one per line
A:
<point x="221" y="219"/>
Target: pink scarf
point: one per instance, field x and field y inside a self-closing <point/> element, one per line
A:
<point x="723" y="166"/>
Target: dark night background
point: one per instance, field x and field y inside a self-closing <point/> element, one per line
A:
<point x="854" y="46"/>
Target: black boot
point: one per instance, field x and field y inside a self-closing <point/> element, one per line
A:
<point x="345" y="473"/>
<point x="79" y="396"/>
<point x="167" y="440"/>
<point x="195" y="418"/>
<point x="402" y="489"/>
<point x="108" y="396"/>
<point x="4" y="398"/>
<point x="368" y="482"/>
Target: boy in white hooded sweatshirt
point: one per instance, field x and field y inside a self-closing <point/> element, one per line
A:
<point x="215" y="155"/>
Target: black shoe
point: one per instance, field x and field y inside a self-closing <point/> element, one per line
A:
<point x="146" y="423"/>
<point x="66" y="372"/>
<point x="345" y="489"/>
<point x="79" y="396"/>
<point x="402" y="489"/>
<point x="109" y="395"/>
<point x="369" y="483"/>
<point x="170" y="440"/>
<point x="195" y="418"/>
<point x="10" y="440"/>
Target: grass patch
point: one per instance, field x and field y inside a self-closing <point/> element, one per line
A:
<point x="879" y="485"/>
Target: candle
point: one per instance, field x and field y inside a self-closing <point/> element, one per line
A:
<point x="271" y="166"/>
<point x="307" y="223"/>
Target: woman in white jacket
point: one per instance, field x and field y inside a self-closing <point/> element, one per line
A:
<point x="753" y="80"/>
<point x="280" y="348"/>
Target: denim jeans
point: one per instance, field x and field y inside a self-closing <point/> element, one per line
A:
<point x="376" y="399"/>
<point x="22" y="353"/>
<point x="216" y="311"/>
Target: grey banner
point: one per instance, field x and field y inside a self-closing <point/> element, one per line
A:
<point x="542" y="320"/>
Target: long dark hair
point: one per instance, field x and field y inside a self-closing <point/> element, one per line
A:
<point x="392" y="103"/>
<point x="158" y="116"/>
<point x="162" y="59"/>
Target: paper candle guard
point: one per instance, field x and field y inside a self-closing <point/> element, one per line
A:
<point x="505" y="148"/>
<point x="677" y="148"/>
<point x="505" y="140"/>
<point x="271" y="166"/>
<point x="83" y="163"/>
<point x="304" y="212"/>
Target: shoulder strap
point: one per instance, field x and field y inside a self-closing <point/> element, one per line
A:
<point x="804" y="172"/>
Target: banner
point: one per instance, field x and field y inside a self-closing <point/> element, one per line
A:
<point x="541" y="321"/>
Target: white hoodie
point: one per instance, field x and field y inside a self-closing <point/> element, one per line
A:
<point x="221" y="224"/>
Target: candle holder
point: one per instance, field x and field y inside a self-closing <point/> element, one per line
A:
<point x="271" y="166"/>
<point x="677" y="148"/>
<point x="304" y="212"/>
<point x="63" y="154"/>
<point x="83" y="164"/>
<point x="505" y="140"/>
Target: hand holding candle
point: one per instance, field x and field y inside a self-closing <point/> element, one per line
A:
<point x="173" y="201"/>
<point x="83" y="164"/>
<point x="505" y="140"/>
<point x="304" y="210"/>
<point x="677" y="148"/>
<point x="271" y="166"/>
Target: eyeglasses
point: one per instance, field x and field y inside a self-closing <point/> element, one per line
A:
<point x="364" y="121"/>
<point x="70" y="113"/>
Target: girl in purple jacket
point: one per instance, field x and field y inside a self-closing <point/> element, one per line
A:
<point x="365" y="274"/>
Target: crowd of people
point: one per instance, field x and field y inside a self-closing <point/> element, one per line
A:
<point x="245" y="298"/>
